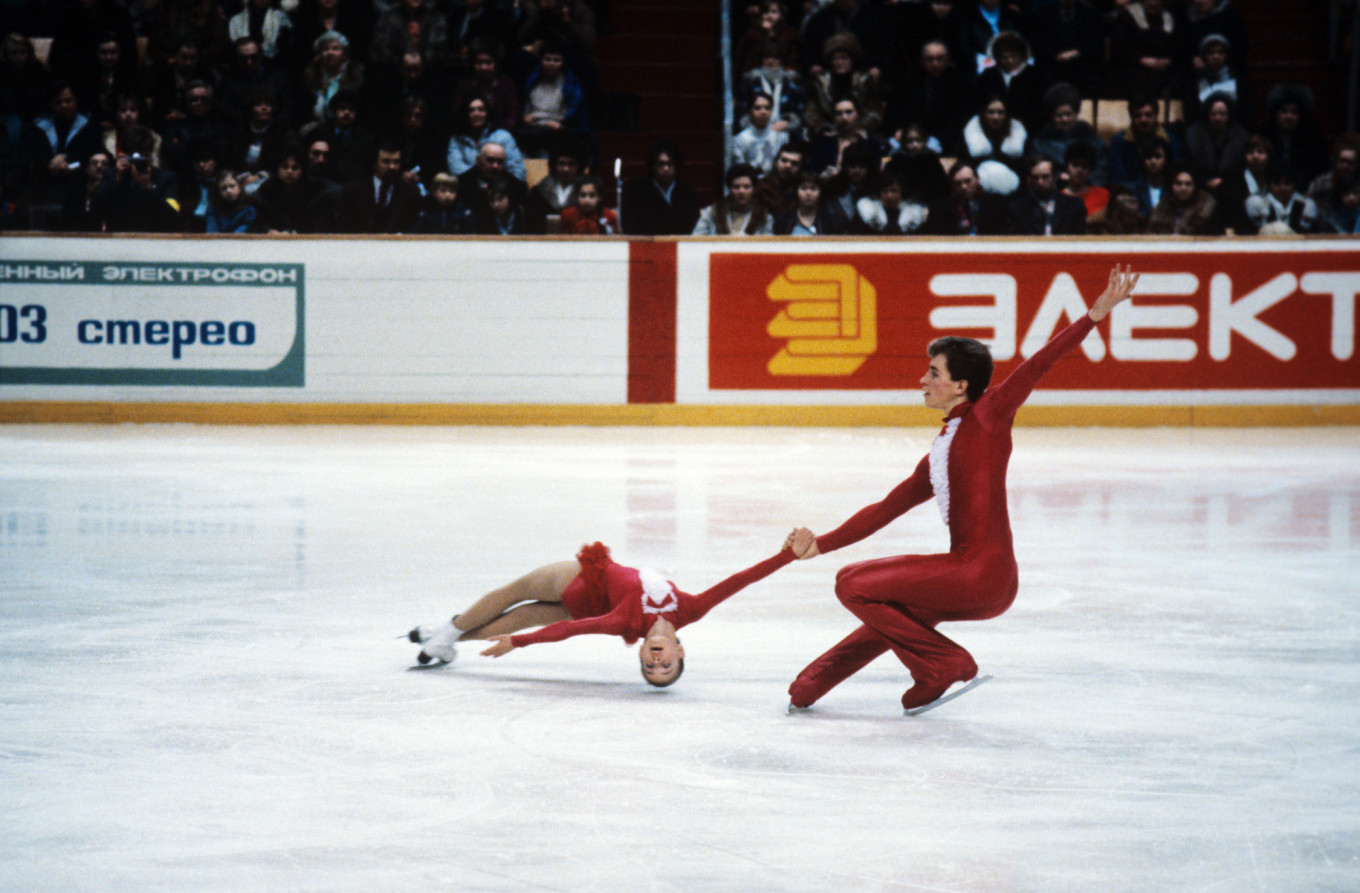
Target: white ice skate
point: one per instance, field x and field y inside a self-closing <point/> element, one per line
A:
<point x="438" y="642"/>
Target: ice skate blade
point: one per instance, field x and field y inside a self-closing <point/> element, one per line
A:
<point x="794" y="711"/>
<point x="432" y="665"/>
<point x="917" y="711"/>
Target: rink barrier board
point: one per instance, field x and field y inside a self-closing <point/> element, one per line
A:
<point x="652" y="344"/>
<point x="664" y="415"/>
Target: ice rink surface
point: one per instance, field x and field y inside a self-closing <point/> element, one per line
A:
<point x="203" y="689"/>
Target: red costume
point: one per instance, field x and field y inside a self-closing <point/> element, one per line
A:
<point x="901" y="600"/>
<point x="614" y="600"/>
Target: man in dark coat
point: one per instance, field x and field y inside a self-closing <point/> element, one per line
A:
<point x="660" y="203"/>
<point x="383" y="202"/>
<point x="1040" y="209"/>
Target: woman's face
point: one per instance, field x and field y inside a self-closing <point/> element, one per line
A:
<point x="1183" y="188"/>
<point x="289" y="171"/>
<point x="1257" y="159"/>
<point x="770" y="16"/>
<point x="588" y="198"/>
<point x="1218" y="116"/>
<point x="660" y="656"/>
<point x="16" y="51"/>
<point x="841" y="63"/>
<point x="332" y="54"/>
<point x="994" y="115"/>
<point x="109" y="54"/>
<point x="741" y="191"/>
<point x="808" y="195"/>
<point x="262" y="111"/>
<point x="1064" y="116"/>
<point x="1154" y="163"/>
<point x="1287" y="117"/>
<point x="128" y="114"/>
<point x="477" y="114"/>
<point x="857" y="173"/>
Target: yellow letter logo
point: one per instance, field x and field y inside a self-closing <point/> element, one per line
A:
<point x="830" y="320"/>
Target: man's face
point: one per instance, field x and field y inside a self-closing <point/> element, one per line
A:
<point x="761" y="112"/>
<point x="841" y="63"/>
<point x="846" y="116"/>
<point x="412" y="67"/>
<point x="1154" y="162"/>
<point x="491" y="160"/>
<point x="205" y="168"/>
<point x="186" y="59"/>
<point x="345" y="116"/>
<point x="319" y="154"/>
<point x="96" y="166"/>
<point x="64" y="105"/>
<point x="1347" y="164"/>
<point x="934" y="60"/>
<point x="1183" y="187"/>
<point x="1078" y="175"/>
<point x="484" y="66"/>
<point x="1009" y="60"/>
<point x="109" y="54"/>
<point x="1283" y="190"/>
<point x="199" y="101"/>
<point x="1041" y="181"/>
<point x="965" y="184"/>
<point x="1257" y="158"/>
<point x="788" y="165"/>
<point x="552" y="65"/>
<point x="1064" y="116"/>
<point x="388" y="166"/>
<point x="248" y="56"/>
<point x="565" y="170"/>
<point x="128" y="114"/>
<point x="1218" y="115"/>
<point x="1143" y="119"/>
<point x="663" y="170"/>
<point x="1215" y="56"/>
<point x="289" y="171"/>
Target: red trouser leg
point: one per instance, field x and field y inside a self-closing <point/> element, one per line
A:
<point x="845" y="659"/>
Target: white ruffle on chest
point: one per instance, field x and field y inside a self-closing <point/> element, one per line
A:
<point x="939" y="466"/>
<point x="658" y="595"/>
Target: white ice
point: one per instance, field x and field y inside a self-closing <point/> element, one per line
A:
<point x="203" y="688"/>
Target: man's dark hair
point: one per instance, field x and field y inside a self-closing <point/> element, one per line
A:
<point x="664" y="147"/>
<point x="967" y="360"/>
<point x="1082" y="153"/>
<point x="674" y="679"/>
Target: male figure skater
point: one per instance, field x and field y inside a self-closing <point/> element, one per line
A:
<point x="901" y="600"/>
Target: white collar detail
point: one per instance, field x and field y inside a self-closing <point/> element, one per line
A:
<point x="658" y="595"/>
<point x="939" y="466"/>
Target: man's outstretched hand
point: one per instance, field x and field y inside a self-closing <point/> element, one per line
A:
<point x="1119" y="289"/>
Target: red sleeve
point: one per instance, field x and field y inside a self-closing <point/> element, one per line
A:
<point x="695" y="606"/>
<point x="612" y="624"/>
<point x="1001" y="402"/>
<point x="871" y="519"/>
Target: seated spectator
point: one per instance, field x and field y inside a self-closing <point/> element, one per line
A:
<point x="442" y="212"/>
<point x="737" y="213"/>
<point x="1186" y="208"/>
<point x="924" y="182"/>
<point x="505" y="216"/>
<point x="313" y="18"/>
<point x="138" y="197"/>
<point x="759" y="143"/>
<point x="776" y="192"/>
<point x="1121" y="217"/>
<point x="1064" y="129"/>
<point x="887" y="213"/>
<point x="1151" y="181"/>
<point x="554" y="105"/>
<point x="1013" y="79"/>
<point x="769" y="32"/>
<point x="292" y="200"/>
<point x="253" y="149"/>
<point x="993" y="136"/>
<point x="488" y="170"/>
<point x="79" y="27"/>
<point x="943" y="22"/>
<point x="982" y="23"/>
<point x="200" y="23"/>
<point x="843" y="78"/>
<point x="1283" y="209"/>
<point x="380" y="201"/>
<point x="1345" y="169"/>
<point x="810" y="216"/>
<point x="248" y="75"/>
<point x="568" y="23"/>
<point x="473" y="128"/>
<point x="59" y="143"/>
<point x="660" y="202"/>
<point x="1295" y="136"/>
<point x="194" y="191"/>
<point x="24" y="82"/>
<point x="587" y="214"/>
<point x="855" y="19"/>
<point x="1214" y="77"/>
<point x="110" y="75"/>
<point x="486" y="80"/>
<point x="80" y="213"/>
<point x="860" y="167"/>
<point x="1205" y="17"/>
<point x="972" y="210"/>
<point x="422" y="146"/>
<point x="557" y="191"/>
<point x="1241" y="183"/>
<point x="827" y="150"/>
<point x="937" y="97"/>
<point x="474" y="20"/>
<point x="1078" y="164"/>
<point x="1039" y="209"/>
<point x="1069" y="45"/>
<point x="351" y="142"/>
<point x="1126" y="147"/>
<point x="267" y="24"/>
<point x="1216" y="144"/>
<point x="1342" y="211"/>
<point x="1142" y="50"/>
<point x="130" y="114"/>
<point x="782" y="85"/>
<point x="330" y="72"/>
<point x="410" y="25"/>
<point x="168" y="92"/>
<point x="201" y="124"/>
<point x="231" y="211"/>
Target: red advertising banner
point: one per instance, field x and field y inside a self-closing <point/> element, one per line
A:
<point x="1225" y="320"/>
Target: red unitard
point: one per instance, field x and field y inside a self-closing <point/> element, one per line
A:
<point x="900" y="600"/>
<point x="614" y="600"/>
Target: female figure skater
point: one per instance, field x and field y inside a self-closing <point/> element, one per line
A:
<point x="594" y="595"/>
<point x="900" y="600"/>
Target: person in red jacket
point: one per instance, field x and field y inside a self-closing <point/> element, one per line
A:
<point x="593" y="594"/>
<point x="901" y="600"/>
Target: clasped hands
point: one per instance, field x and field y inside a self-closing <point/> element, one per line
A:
<point x="803" y="542"/>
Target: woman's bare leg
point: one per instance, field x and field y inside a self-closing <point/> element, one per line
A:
<point x="544" y="585"/>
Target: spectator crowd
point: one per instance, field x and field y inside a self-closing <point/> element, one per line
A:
<point x="887" y="117"/>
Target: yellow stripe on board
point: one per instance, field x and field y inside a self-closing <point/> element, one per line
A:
<point x="62" y="412"/>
